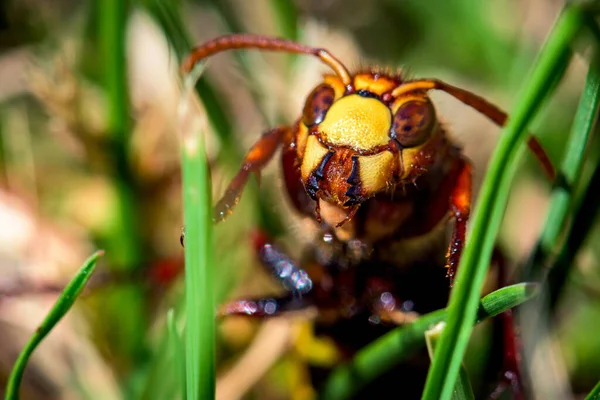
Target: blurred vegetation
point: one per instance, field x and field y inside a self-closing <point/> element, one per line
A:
<point x="89" y="158"/>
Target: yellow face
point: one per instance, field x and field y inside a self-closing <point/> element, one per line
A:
<point x="361" y="123"/>
<point x="355" y="145"/>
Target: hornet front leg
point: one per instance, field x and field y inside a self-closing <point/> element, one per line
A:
<point x="256" y="159"/>
<point x="460" y="208"/>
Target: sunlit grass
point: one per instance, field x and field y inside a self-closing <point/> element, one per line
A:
<point x="199" y="267"/>
<point x="491" y="205"/>
<point x="189" y="368"/>
<point x="569" y="175"/>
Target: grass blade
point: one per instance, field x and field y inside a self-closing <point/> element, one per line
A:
<point x="125" y="245"/>
<point x="569" y="173"/>
<point x="396" y="346"/>
<point x="583" y="222"/>
<point x="113" y="20"/>
<point x="60" y="308"/>
<point x="286" y="18"/>
<point x="595" y="393"/>
<point x="165" y="376"/>
<point x="177" y="350"/>
<point x="490" y="209"/>
<point x="167" y="15"/>
<point x="463" y="389"/>
<point x="581" y="196"/>
<point x="199" y="282"/>
<point x="124" y="303"/>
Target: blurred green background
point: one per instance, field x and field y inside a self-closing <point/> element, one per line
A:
<point x="89" y="159"/>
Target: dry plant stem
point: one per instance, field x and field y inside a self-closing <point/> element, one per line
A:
<point x="270" y="343"/>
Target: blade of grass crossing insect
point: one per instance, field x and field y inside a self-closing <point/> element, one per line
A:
<point x="59" y="309"/>
<point x="490" y="210"/>
<point x="167" y="15"/>
<point x="570" y="170"/>
<point x="396" y="346"/>
<point x="199" y="282"/>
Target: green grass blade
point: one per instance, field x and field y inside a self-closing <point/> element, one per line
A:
<point x="490" y="209"/>
<point x="177" y="350"/>
<point x="286" y="18"/>
<point x="124" y="303"/>
<point x="231" y="19"/>
<point x="157" y="384"/>
<point x="125" y="245"/>
<point x="396" y="346"/>
<point x="595" y="393"/>
<point x="593" y="27"/>
<point x="463" y="389"/>
<point x="199" y="282"/>
<point x="60" y="308"/>
<point x="113" y="20"/>
<point x="569" y="173"/>
<point x="165" y="376"/>
<point x="585" y="216"/>
<point x="583" y="208"/>
<point x="168" y="17"/>
<point x="504" y="299"/>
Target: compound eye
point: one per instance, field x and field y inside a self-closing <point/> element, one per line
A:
<point x="413" y="123"/>
<point x="317" y="104"/>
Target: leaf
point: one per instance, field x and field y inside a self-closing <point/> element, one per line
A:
<point x="61" y="307"/>
<point x="489" y="212"/>
<point x="199" y="280"/>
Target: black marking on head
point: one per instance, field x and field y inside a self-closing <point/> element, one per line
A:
<point x="354" y="190"/>
<point x="367" y="93"/>
<point x="354" y="178"/>
<point x="312" y="186"/>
